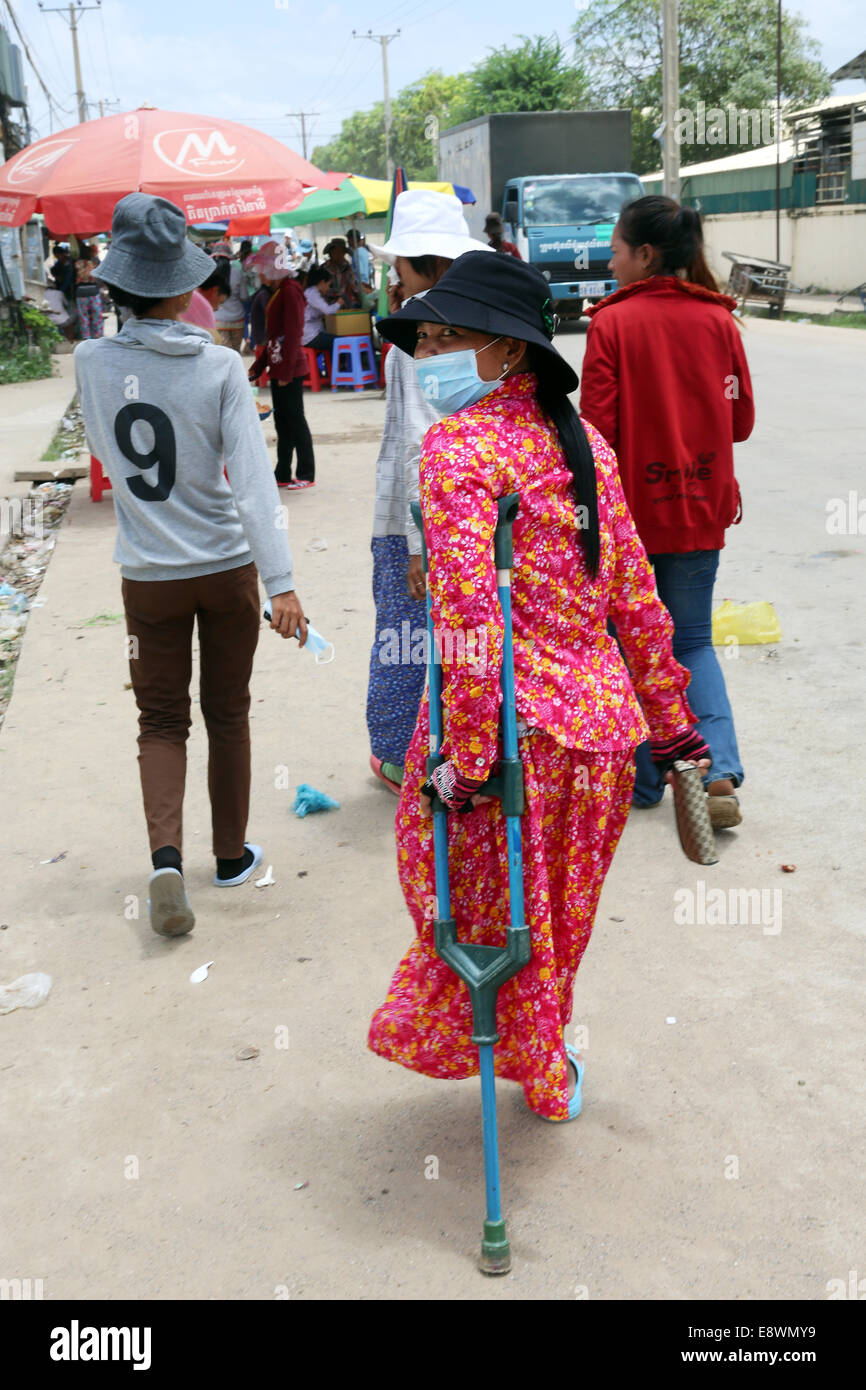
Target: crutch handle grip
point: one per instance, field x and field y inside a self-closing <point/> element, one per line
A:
<point x="503" y="540"/>
<point x="415" y="509"/>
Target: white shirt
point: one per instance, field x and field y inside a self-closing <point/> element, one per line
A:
<point x="317" y="307"/>
<point x="408" y="417"/>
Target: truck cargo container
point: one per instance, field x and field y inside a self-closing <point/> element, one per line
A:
<point x="559" y="179"/>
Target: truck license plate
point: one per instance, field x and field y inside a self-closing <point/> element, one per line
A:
<point x="591" y="287"/>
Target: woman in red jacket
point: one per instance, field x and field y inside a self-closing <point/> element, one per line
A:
<point x="665" y="380"/>
<point x="284" y="358"/>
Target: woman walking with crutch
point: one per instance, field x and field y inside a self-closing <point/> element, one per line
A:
<point x="482" y="342"/>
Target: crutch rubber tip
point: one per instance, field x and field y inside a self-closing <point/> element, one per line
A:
<point x="495" y="1257"/>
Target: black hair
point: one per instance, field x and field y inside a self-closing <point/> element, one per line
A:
<point x="673" y="231"/>
<point x="246" y="248"/>
<point x="136" y="302"/>
<point x="316" y="274"/>
<point x="219" y="278"/>
<point x="431" y="267"/>
<point x="577" y="449"/>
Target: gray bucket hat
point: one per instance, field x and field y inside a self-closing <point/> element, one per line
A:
<point x="151" y="254"/>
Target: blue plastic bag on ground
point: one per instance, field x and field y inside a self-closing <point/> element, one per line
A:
<point x="309" y="800"/>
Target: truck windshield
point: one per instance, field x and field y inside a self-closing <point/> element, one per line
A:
<point x="569" y="202"/>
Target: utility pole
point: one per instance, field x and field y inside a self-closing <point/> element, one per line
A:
<point x="73" y="27"/>
<point x="778" y="124"/>
<point x="384" y="40"/>
<point x="302" y="116"/>
<point x="670" y="97"/>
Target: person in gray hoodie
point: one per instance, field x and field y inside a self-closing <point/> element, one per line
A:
<point x="172" y="419"/>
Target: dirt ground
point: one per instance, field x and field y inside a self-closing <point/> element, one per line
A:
<point x="718" y="1156"/>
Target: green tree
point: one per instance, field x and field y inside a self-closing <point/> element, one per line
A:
<point x="360" y="146"/>
<point x="434" y="102"/>
<point x="727" y="55"/>
<point x="535" y="75"/>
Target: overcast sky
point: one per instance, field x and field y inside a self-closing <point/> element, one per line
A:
<point x="256" y="60"/>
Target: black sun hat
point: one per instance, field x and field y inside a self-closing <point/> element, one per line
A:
<point x="490" y="294"/>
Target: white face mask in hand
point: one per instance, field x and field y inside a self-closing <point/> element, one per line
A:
<point x="323" y="650"/>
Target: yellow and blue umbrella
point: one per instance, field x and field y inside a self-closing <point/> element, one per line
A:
<point x="355" y="196"/>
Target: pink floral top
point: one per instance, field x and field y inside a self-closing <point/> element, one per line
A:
<point x="571" y="680"/>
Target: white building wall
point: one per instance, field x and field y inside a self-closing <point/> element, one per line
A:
<point x="825" y="247"/>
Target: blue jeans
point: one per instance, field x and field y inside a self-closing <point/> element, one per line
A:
<point x="685" y="586"/>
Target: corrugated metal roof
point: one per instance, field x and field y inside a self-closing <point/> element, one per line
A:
<point x="749" y="159"/>
<point x="855" y="67"/>
<point x="828" y="104"/>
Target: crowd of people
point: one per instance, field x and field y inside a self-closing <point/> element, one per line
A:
<point x="615" y="557"/>
<point x="74" y="297"/>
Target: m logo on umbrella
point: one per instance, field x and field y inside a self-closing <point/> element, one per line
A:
<point x="37" y="161"/>
<point x="76" y="177"/>
<point x="196" y="153"/>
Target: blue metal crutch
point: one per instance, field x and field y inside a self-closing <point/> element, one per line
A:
<point x="484" y="968"/>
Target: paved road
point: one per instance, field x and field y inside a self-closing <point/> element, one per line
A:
<point x="718" y="1156"/>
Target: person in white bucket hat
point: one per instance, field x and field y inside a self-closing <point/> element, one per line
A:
<point x="428" y="233"/>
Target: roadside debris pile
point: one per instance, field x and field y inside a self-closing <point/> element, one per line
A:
<point x="33" y="521"/>
<point x="69" y="442"/>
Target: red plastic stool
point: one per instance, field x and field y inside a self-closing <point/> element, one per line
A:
<point x="98" y="480"/>
<point x="386" y="348"/>
<point x="314" y="372"/>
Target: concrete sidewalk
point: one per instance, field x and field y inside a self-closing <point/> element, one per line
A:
<point x="30" y="412"/>
<point x="719" y="1156"/>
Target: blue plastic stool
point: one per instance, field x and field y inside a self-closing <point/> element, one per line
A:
<point x="361" y="371"/>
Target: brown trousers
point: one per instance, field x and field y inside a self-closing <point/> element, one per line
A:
<point x="159" y="620"/>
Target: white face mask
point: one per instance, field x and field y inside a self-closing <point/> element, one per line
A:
<point x="450" y="380"/>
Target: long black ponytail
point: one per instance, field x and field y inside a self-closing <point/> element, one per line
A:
<point x="578" y="456"/>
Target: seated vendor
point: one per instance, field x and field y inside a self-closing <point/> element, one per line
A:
<point x="342" y="274"/>
<point x="320" y="301"/>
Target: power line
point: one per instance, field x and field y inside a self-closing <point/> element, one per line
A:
<point x="50" y="35"/>
<point x="383" y="40"/>
<point x="303" y="119"/>
<point x="73" y="29"/>
<point x="364" y="75"/>
<point x="25" y="46"/>
<point x="399" y="7"/>
<point x="108" y="56"/>
<point x="333" y="82"/>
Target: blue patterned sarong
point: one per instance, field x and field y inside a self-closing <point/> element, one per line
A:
<point x="398" y="669"/>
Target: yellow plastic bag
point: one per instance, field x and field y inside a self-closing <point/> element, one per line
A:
<point x="751" y="624"/>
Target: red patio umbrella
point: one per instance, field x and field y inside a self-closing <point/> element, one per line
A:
<point x="211" y="168"/>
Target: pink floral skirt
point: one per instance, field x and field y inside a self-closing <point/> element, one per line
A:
<point x="576" y="808"/>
